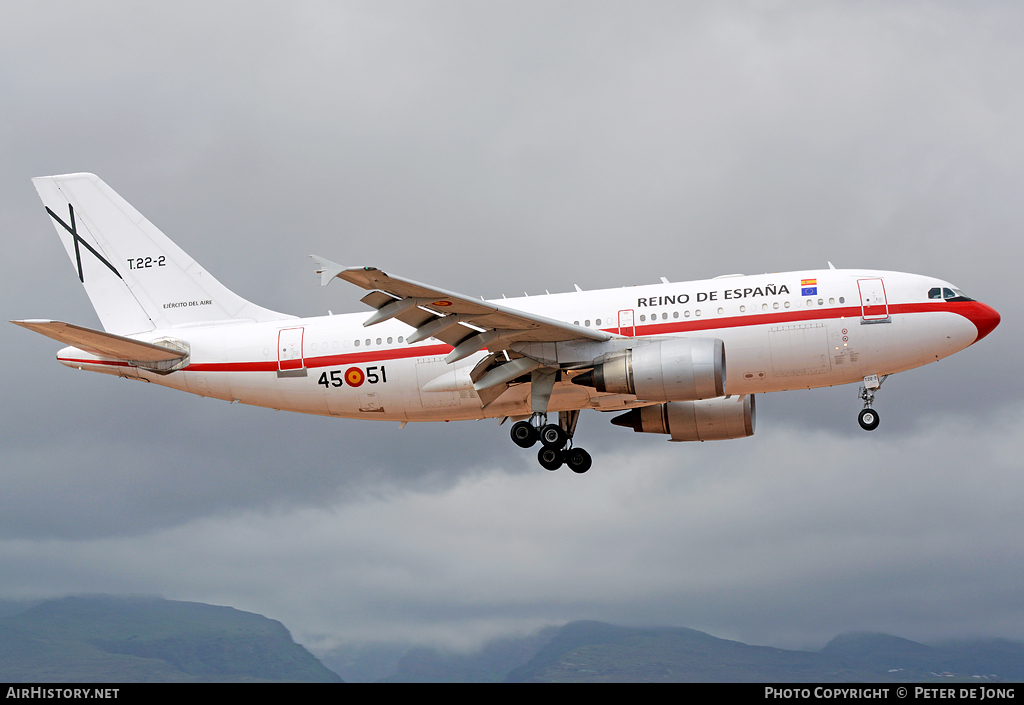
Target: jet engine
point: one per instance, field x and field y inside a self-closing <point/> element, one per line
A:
<point x="683" y="369"/>
<point x="707" y="420"/>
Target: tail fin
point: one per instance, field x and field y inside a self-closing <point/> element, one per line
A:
<point x="137" y="279"/>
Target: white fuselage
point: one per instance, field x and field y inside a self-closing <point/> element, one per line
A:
<point x="780" y="331"/>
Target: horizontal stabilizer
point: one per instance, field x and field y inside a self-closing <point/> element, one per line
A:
<point x="103" y="344"/>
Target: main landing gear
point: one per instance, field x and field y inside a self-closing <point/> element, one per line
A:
<point x="556" y="441"/>
<point x="868" y="417"/>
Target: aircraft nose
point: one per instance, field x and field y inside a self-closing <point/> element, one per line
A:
<point x="984" y="317"/>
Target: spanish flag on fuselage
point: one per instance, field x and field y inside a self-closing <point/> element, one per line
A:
<point x="808" y="287"/>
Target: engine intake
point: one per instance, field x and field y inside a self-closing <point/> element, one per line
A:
<point x="684" y="369"/>
<point x="705" y="420"/>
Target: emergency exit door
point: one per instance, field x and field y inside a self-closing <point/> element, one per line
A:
<point x="289" y="350"/>
<point x="873" y="304"/>
<point x="626" y="323"/>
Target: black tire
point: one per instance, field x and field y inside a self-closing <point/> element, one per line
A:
<point x="523" y="434"/>
<point x="550" y="458"/>
<point x="552" y="436"/>
<point x="578" y="460"/>
<point x="868" y="419"/>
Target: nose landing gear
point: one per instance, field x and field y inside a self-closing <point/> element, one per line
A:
<point x="868" y="417"/>
<point x="556" y="440"/>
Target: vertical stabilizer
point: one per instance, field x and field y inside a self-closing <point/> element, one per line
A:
<point x="136" y="278"/>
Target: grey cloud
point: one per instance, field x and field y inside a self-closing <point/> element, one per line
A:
<point x="910" y="536"/>
<point x="494" y="149"/>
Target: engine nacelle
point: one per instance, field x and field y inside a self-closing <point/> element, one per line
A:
<point x="684" y="369"/>
<point x="707" y="420"/>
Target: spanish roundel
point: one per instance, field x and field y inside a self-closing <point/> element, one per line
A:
<point x="354" y="376"/>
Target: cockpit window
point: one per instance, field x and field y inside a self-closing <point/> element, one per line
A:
<point x="947" y="294"/>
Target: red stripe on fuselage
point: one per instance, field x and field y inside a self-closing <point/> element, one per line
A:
<point x="963" y="308"/>
<point x="742" y="321"/>
<point x="967" y="309"/>
<point x="325" y="360"/>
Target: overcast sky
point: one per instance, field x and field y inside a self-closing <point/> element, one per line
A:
<point x="497" y="148"/>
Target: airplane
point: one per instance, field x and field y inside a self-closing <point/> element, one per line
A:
<point x="681" y="359"/>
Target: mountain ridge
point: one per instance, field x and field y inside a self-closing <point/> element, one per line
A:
<point x="102" y="638"/>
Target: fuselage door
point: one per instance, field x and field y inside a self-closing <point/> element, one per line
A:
<point x="626" y="323"/>
<point x="289" y="350"/>
<point x="873" y="304"/>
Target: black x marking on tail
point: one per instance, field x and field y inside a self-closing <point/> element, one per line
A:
<point x="73" y="229"/>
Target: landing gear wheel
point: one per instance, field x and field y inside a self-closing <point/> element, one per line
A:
<point x="553" y="436"/>
<point x="578" y="460"/>
<point x="550" y="458"/>
<point x="868" y="419"/>
<point x="523" y="434"/>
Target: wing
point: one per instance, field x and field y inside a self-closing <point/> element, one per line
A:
<point x="465" y="323"/>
